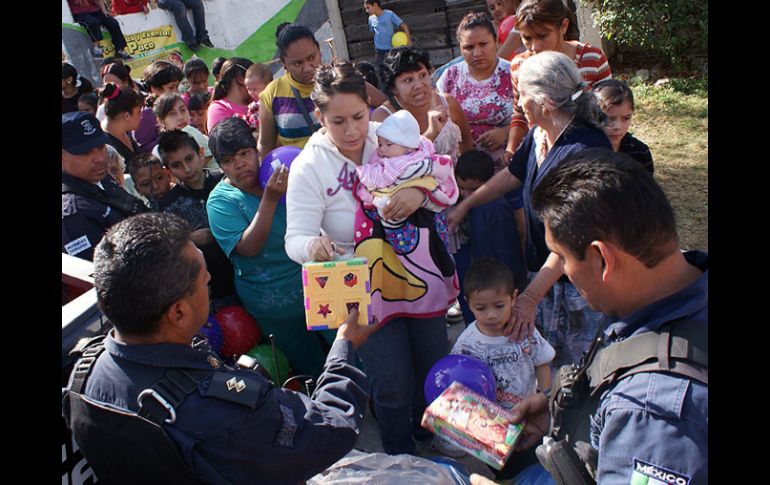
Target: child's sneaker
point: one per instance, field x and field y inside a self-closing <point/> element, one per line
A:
<point x="124" y="55"/>
<point x="97" y="51"/>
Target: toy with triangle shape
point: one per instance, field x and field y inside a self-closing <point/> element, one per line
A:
<point x="332" y="288"/>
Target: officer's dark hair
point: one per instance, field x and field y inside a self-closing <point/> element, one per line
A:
<point x="195" y="66"/>
<point x="173" y="140"/>
<point x="68" y="70"/>
<point x="475" y="165"/>
<point x="599" y="195"/>
<point x="488" y="274"/>
<point x="117" y="100"/>
<point x="288" y="34"/>
<point x="232" y="69"/>
<point x="339" y="77"/>
<point x="140" y="271"/>
<point x="472" y="20"/>
<point x="216" y="65"/>
<point x="402" y="60"/>
<point x="140" y="161"/>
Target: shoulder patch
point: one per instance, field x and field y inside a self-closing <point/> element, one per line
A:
<point x="237" y="388"/>
<point x="285" y="436"/>
<point x="648" y="474"/>
<point x="77" y="246"/>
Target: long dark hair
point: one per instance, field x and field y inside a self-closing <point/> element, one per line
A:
<point x="231" y="69"/>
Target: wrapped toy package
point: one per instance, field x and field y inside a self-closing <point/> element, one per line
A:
<point x="332" y="288"/>
<point x="474" y="423"/>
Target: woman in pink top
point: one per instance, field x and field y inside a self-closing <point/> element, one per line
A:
<point x="230" y="94"/>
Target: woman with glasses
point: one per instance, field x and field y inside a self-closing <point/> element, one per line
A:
<point x="230" y="94"/>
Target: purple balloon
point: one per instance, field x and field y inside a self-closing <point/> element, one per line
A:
<point x="213" y="333"/>
<point x="285" y="155"/>
<point x="468" y="371"/>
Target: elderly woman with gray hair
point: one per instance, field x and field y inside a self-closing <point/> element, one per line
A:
<point x="564" y="114"/>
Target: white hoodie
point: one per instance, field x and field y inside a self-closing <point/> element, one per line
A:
<point x="319" y="197"/>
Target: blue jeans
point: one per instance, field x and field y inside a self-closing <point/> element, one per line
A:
<point x="567" y="323"/>
<point x="396" y="359"/>
<point x="179" y="9"/>
<point x="93" y="22"/>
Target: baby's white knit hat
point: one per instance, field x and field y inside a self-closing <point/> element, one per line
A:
<point x="401" y="128"/>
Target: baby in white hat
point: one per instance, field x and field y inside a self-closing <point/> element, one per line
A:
<point x="403" y="159"/>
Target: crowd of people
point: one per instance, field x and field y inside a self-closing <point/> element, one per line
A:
<point x="508" y="184"/>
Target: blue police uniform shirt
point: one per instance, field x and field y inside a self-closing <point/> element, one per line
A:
<point x="653" y="427"/>
<point x="84" y="220"/>
<point x="383" y="27"/>
<point x="274" y="436"/>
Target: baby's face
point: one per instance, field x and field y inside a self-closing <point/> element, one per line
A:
<point x="388" y="149"/>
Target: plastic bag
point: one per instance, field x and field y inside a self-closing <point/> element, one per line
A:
<point x="378" y="468"/>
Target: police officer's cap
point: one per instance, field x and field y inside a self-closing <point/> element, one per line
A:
<point x="81" y="133"/>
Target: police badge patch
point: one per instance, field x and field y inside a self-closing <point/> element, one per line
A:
<point x="285" y="435"/>
<point x="647" y="474"/>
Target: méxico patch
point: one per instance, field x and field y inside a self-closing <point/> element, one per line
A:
<point x="78" y="245"/>
<point x="647" y="474"/>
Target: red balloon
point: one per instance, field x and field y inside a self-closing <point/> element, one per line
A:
<point x="240" y="331"/>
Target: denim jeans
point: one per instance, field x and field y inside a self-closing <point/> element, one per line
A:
<point x="93" y="22"/>
<point x="396" y="359"/>
<point x="179" y="9"/>
<point x="567" y="323"/>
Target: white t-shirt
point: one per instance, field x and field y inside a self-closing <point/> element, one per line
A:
<point x="512" y="363"/>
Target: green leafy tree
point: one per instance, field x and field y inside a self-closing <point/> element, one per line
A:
<point x="678" y="29"/>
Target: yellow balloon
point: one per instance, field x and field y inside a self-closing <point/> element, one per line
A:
<point x="398" y="39"/>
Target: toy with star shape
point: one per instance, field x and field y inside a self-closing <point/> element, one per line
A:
<point x="334" y="288"/>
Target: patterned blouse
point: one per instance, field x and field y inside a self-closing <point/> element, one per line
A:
<point x="487" y="104"/>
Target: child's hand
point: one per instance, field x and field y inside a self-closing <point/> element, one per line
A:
<point x="277" y="183"/>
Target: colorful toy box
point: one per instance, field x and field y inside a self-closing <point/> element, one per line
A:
<point x="474" y="423"/>
<point x="332" y="288"/>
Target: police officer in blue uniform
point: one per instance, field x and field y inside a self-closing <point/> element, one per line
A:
<point x="636" y="409"/>
<point x="225" y="425"/>
<point x="91" y="200"/>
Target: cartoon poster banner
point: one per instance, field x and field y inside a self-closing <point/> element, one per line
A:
<point x="148" y="46"/>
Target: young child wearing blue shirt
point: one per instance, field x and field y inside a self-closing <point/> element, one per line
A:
<point x="383" y="23"/>
<point x="490" y="230"/>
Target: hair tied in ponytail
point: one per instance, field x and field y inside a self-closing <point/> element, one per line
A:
<point x="582" y="87"/>
<point x="115" y="92"/>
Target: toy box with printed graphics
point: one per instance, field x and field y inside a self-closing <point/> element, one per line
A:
<point x="474" y="423"/>
<point x="332" y="288"/>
